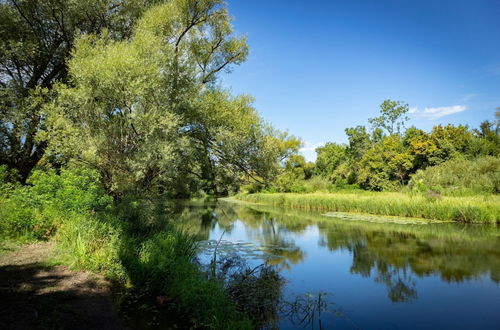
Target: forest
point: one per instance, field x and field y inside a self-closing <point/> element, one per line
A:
<point x="113" y="110"/>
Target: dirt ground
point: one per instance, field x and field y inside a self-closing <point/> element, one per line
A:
<point x="34" y="295"/>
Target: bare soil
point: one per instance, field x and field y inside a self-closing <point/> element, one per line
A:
<point x="34" y="295"/>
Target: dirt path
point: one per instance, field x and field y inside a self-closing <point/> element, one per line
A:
<point x="37" y="296"/>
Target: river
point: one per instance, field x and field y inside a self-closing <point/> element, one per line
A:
<point x="348" y="274"/>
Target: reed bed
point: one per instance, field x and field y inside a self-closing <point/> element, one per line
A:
<point x="476" y="209"/>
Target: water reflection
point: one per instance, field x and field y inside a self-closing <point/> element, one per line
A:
<point x="395" y="256"/>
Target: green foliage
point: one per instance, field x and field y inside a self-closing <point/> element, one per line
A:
<point x="94" y="242"/>
<point x="329" y="158"/>
<point x="393" y="116"/>
<point x="147" y="113"/>
<point x="36" y="38"/>
<point x="295" y="171"/>
<point x="77" y="190"/>
<point x="379" y="162"/>
<point x="359" y="142"/>
<point x="34" y="212"/>
<point x="385" y="165"/>
<point x="451" y="141"/>
<point x="8" y="180"/>
<point x="232" y="144"/>
<point x="481" y="175"/>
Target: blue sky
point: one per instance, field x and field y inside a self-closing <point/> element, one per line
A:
<point x="317" y="67"/>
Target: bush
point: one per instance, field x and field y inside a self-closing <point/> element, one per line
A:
<point x="34" y="212"/>
<point x="458" y="176"/>
<point x="8" y="180"/>
<point x="317" y="183"/>
<point x="77" y="190"/>
<point x="19" y="219"/>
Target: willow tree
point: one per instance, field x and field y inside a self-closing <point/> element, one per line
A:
<point x="232" y="144"/>
<point x="36" y="38"/>
<point x="146" y="111"/>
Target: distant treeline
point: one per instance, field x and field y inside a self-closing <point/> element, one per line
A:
<point x="388" y="157"/>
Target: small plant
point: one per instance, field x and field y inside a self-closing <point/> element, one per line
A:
<point x="307" y="310"/>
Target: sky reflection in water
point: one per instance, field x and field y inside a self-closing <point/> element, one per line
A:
<point x="375" y="276"/>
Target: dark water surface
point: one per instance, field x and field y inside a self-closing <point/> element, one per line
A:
<point x="362" y="275"/>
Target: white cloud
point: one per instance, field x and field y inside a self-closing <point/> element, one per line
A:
<point x="311" y="146"/>
<point x="437" y="112"/>
<point x="309" y="150"/>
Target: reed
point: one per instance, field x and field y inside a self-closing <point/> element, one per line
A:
<point x="470" y="209"/>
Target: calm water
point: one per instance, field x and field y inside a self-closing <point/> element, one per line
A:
<point x="367" y="275"/>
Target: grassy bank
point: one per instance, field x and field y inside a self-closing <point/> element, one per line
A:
<point x="131" y="242"/>
<point x="480" y="209"/>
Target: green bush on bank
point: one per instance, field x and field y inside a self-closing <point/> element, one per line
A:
<point x="460" y="176"/>
<point x="479" y="209"/>
<point x="35" y="211"/>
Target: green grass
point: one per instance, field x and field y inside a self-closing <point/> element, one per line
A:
<point x="476" y="209"/>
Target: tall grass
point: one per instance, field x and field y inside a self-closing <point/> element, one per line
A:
<point x="479" y="209"/>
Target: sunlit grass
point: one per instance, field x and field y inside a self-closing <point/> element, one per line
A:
<point x="476" y="209"/>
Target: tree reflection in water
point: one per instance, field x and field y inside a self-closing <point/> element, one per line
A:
<point x="390" y="254"/>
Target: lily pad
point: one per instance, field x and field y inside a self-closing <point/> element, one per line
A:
<point x="380" y="218"/>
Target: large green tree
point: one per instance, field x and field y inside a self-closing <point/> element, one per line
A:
<point x="386" y="165"/>
<point x="36" y="37"/>
<point x="329" y="157"/>
<point x="147" y="111"/>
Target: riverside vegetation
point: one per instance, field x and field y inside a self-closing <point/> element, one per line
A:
<point x="110" y="110"/>
<point x="452" y="173"/>
<point x="482" y="209"/>
<point x="135" y="245"/>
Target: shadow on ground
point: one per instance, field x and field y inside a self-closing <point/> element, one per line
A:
<point x="34" y="296"/>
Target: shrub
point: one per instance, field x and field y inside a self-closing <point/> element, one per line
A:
<point x="19" y="218"/>
<point x="8" y="180"/>
<point x="456" y="176"/>
<point x="34" y="212"/>
<point x="77" y="190"/>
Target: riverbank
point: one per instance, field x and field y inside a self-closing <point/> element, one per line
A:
<point x="470" y="209"/>
<point x="131" y="243"/>
<point x="38" y="295"/>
